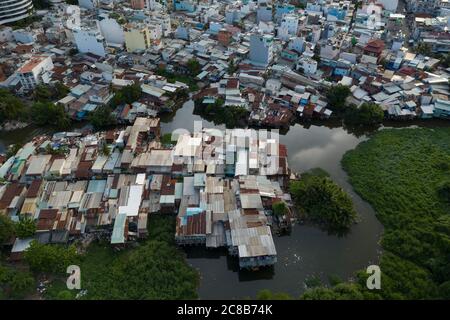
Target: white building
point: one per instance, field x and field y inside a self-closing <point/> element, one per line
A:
<point x="112" y="31"/>
<point x="35" y="71"/>
<point x="273" y="86"/>
<point x="297" y="44"/>
<point x="90" y="41"/>
<point x="6" y="34"/>
<point x="309" y="66"/>
<point x="289" y="22"/>
<point x="164" y="21"/>
<point x="14" y="10"/>
<point x="155" y="31"/>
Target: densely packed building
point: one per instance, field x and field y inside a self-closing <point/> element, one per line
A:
<point x="284" y="62"/>
<point x="221" y="186"/>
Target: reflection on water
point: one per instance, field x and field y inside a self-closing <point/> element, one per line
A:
<point x="307" y="251"/>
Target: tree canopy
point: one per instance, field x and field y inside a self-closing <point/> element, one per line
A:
<point x="324" y="202"/>
<point x="400" y="173"/>
<point x="15" y="284"/>
<point x="26" y="227"/>
<point x="279" y="208"/>
<point x="6" y="228"/>
<point x="49" y="114"/>
<point x="11" y="107"/>
<point x="231" y="116"/>
<point x="50" y="92"/>
<point x="102" y="117"/>
<point x="127" y="94"/>
<point x="156" y="269"/>
<point x="50" y="258"/>
<point x="194" y="67"/>
<point x="367" y="114"/>
<point x="336" y="96"/>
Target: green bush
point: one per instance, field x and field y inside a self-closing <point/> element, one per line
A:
<point x="50" y="258"/>
<point x="26" y="227"/>
<point x="324" y="202"/>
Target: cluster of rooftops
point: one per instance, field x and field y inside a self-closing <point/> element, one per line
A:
<point x="220" y="185"/>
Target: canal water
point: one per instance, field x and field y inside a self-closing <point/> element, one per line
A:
<point x="307" y="251"/>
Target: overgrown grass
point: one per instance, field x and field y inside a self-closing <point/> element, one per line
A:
<point x="399" y="171"/>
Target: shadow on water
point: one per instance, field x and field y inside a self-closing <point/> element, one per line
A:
<point x="308" y="251"/>
<point x="232" y="263"/>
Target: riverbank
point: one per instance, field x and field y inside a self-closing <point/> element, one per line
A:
<point x="400" y="172"/>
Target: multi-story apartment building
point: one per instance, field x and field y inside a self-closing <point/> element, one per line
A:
<point x="261" y="49"/>
<point x="35" y="71"/>
<point x="14" y="10"/>
<point x="90" y="41"/>
<point x="137" y="36"/>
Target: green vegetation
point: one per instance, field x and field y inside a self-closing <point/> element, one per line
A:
<point x="128" y="94"/>
<point x="324" y="202"/>
<point x="102" y="118"/>
<point x="172" y="77"/>
<point x="42" y="112"/>
<point x="156" y="269"/>
<point x="268" y="295"/>
<point x="48" y="114"/>
<point x="366" y="115"/>
<point x="334" y="280"/>
<point x="6" y="228"/>
<point x="423" y="48"/>
<point x="194" y="67"/>
<point x="50" y="258"/>
<point x="232" y="67"/>
<point x="444" y="191"/>
<point x="313" y="282"/>
<point x="279" y="208"/>
<point x="231" y="116"/>
<point x="166" y="138"/>
<point x="341" y="291"/>
<point x="51" y="92"/>
<point x="13" y="149"/>
<point x="403" y="174"/>
<point x="23" y="23"/>
<point x="60" y="151"/>
<point x="337" y="290"/>
<point x="11" y="107"/>
<point x="41" y="4"/>
<point x="336" y="96"/>
<point x="105" y="150"/>
<point x="15" y="284"/>
<point x="445" y="60"/>
<point x="73" y="51"/>
<point x="119" y="18"/>
<point x="26" y="227"/>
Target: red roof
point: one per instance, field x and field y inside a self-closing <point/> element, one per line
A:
<point x="32" y="63"/>
<point x="375" y="46"/>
